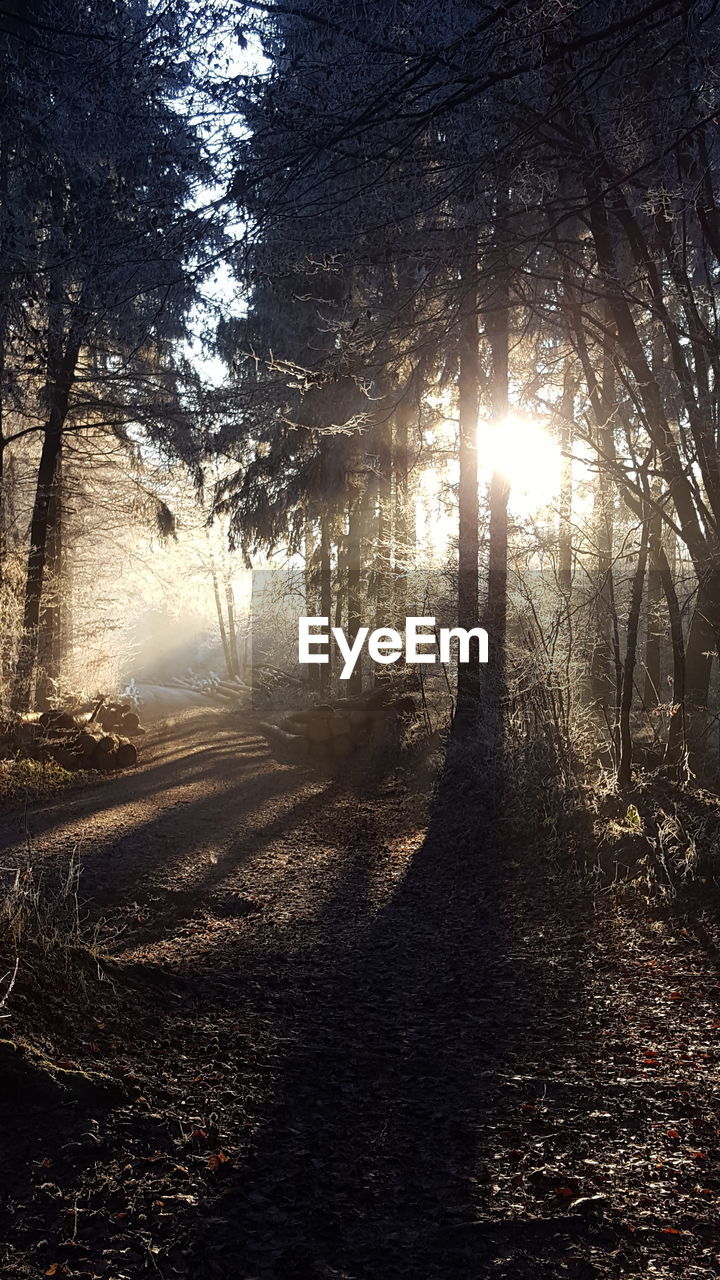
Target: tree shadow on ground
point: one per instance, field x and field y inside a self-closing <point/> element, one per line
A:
<point x="169" y="774"/>
<point x="178" y="905"/>
<point x="376" y="1156"/>
<point x="139" y="832"/>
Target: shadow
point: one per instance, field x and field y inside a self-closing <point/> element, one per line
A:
<point x="401" y="1058"/>
<point x="418" y="1048"/>
<point x="179" y="905"/>
<point x="131" y="787"/>
<point x="374" y="1157"/>
<point x="174" y="828"/>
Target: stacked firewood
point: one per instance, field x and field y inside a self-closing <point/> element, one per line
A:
<point x="75" y="742"/>
<point x="332" y="732"/>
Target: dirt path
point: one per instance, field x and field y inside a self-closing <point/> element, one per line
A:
<point x="365" y="1053"/>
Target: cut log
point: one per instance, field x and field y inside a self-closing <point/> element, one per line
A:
<point x="126" y="755"/>
<point x="233" y="690"/>
<point x="294" y="743"/>
<point x="67" y="759"/>
<point x="130" y="722"/>
<point x="57" y="720"/>
<point x="240" y="683"/>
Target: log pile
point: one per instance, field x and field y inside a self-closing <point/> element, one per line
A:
<point x="73" y="742"/>
<point x="333" y="732"/>
<point x="116" y="717"/>
<point x="233" y="690"/>
<point x="228" y="691"/>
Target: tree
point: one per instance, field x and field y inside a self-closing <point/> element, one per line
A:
<point x="105" y="166"/>
<point x="494" y="160"/>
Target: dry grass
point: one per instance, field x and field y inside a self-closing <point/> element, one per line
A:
<point x="49" y="962"/>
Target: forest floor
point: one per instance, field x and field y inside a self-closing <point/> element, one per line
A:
<point x="330" y="1046"/>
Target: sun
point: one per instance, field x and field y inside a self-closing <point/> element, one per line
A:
<point x="526" y="454"/>
<point x="520" y="448"/>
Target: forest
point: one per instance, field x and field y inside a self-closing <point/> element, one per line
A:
<point x="370" y="325"/>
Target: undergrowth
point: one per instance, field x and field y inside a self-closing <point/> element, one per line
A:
<point x="658" y="838"/>
<point x="50" y="965"/>
<point x="26" y="780"/>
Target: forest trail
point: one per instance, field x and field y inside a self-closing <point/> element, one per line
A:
<point x="329" y="1029"/>
<point x="159" y="841"/>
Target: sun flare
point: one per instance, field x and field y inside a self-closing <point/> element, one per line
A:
<point x="526" y="454"/>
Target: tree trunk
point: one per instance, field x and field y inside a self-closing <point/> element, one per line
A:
<point x="675" y="747"/>
<point x="653" y="640"/>
<point x="63" y="351"/>
<point x="494" y="676"/>
<point x="5" y="285"/>
<point x="628" y="676"/>
<point x="231" y="627"/>
<point x="8" y="584"/>
<point x="605" y="673"/>
<point x="566" y="495"/>
<point x="499" y="334"/>
<point x="401" y="502"/>
<point x="37" y="556"/>
<point x="5" y="589"/>
<point x="701" y="648"/>
<point x="354" y="582"/>
<point x="325" y="596"/>
<point x="468" y="678"/>
<point x="3" y="446"/>
<point x="4" y="584"/>
<point x="341" y="593"/>
<point x="311" y="591"/>
<point x="383" y="494"/>
<point x="50" y="628"/>
<point x="220" y="612"/>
